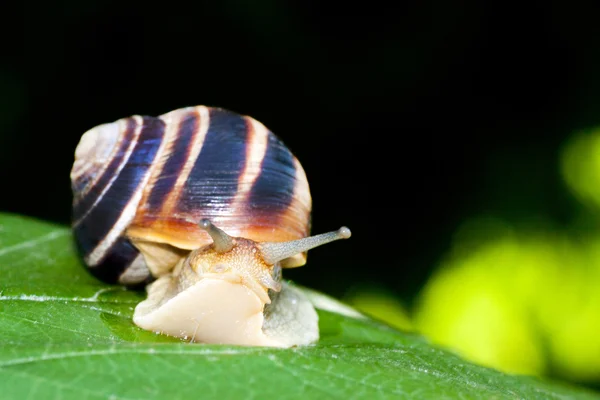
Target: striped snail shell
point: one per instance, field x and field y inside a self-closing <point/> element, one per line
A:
<point x="208" y="205"/>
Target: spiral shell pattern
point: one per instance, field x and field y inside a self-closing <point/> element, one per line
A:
<point x="151" y="179"/>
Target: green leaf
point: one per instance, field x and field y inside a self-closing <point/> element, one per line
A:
<point x="65" y="335"/>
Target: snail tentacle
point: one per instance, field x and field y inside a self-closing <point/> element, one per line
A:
<point x="273" y="252"/>
<point x="222" y="242"/>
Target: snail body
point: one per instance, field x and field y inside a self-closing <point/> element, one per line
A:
<point x="206" y="206"/>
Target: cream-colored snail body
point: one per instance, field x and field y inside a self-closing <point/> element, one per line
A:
<point x="206" y="206"/>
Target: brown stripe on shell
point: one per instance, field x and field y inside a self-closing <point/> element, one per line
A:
<point x="171" y="120"/>
<point x="256" y="149"/>
<point x="192" y="155"/>
<point x="213" y="180"/>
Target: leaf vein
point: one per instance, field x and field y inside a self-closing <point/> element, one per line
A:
<point x="33" y="242"/>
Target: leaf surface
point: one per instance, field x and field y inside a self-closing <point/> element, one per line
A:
<point x="66" y="335"/>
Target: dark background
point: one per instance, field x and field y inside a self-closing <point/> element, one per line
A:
<point x="407" y="120"/>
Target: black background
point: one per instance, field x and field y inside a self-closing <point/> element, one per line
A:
<point x="407" y="120"/>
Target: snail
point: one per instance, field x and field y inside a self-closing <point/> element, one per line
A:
<point x="204" y="207"/>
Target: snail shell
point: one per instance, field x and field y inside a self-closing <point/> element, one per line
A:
<point x="141" y="185"/>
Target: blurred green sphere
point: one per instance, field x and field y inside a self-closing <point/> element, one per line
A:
<point x="580" y="166"/>
<point x="522" y="302"/>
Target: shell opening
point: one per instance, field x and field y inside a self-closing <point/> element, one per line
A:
<point x="222" y="242"/>
<point x="273" y="252"/>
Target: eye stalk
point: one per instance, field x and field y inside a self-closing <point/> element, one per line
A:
<point x="274" y="252"/>
<point x="222" y="242"/>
